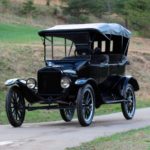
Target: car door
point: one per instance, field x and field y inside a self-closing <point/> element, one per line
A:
<point x="99" y="69"/>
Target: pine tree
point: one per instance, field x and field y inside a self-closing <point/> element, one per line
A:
<point x="138" y="13"/>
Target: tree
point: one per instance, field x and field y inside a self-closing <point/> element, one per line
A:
<point x="5" y="4"/>
<point x="28" y="8"/>
<point x="120" y="8"/>
<point x="108" y="5"/>
<point x="79" y="10"/>
<point x="138" y="13"/>
<point x="98" y="8"/>
<point x="135" y="13"/>
<point x="47" y="2"/>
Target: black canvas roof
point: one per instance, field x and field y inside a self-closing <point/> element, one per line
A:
<point x="102" y="28"/>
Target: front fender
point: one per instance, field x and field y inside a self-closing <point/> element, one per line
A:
<point x="14" y="81"/>
<point x="29" y="94"/>
<point x="83" y="81"/>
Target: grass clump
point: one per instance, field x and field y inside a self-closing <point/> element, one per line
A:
<point x="131" y="140"/>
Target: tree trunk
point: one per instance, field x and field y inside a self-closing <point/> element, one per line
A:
<point x="47" y="2"/>
<point x="109" y="6"/>
<point x="126" y="22"/>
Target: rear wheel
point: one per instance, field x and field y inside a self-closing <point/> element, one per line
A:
<point x="67" y="114"/>
<point x="15" y="106"/>
<point x="85" y="105"/>
<point x="129" y="106"/>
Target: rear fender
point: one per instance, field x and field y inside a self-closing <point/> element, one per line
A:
<point x="129" y="80"/>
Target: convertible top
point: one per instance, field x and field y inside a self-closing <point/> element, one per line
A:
<point x="101" y="28"/>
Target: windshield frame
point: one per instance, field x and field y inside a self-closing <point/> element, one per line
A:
<point x="74" y="38"/>
<point x="51" y="41"/>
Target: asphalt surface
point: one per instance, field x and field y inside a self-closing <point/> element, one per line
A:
<point x="59" y="135"/>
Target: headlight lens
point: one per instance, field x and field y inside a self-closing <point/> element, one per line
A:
<point x="31" y="83"/>
<point x="65" y="82"/>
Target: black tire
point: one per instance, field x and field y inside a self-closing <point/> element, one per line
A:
<point x="15" y="106"/>
<point x="129" y="106"/>
<point x="85" y="105"/>
<point x="67" y="114"/>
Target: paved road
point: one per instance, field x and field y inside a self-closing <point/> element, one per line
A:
<point x="59" y="135"/>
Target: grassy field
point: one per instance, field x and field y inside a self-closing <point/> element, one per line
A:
<point x="132" y="140"/>
<point x="17" y="33"/>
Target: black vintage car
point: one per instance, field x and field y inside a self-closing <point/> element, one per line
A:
<point x="88" y="71"/>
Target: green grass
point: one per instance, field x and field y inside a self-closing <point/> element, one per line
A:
<point x="2" y="108"/>
<point x="18" y="33"/>
<point x="131" y="140"/>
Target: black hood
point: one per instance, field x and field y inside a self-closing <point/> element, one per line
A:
<point x="71" y="66"/>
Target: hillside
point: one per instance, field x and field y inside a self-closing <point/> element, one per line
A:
<point x="43" y="16"/>
<point x="139" y="55"/>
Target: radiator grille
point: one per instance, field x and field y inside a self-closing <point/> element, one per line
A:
<point x="49" y="82"/>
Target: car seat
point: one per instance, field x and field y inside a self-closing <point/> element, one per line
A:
<point x="98" y="57"/>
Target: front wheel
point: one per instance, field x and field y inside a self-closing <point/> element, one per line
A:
<point x="15" y="106"/>
<point x="85" y="105"/>
<point x="129" y="106"/>
<point x="67" y="114"/>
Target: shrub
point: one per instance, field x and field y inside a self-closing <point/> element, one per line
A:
<point x="28" y="8"/>
<point x="4" y="5"/>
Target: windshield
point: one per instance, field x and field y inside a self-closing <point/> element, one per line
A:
<point x="65" y="44"/>
<point x="58" y="48"/>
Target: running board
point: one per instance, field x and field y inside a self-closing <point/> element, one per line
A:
<point x="113" y="101"/>
<point x="30" y="108"/>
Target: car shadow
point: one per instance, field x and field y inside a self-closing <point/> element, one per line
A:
<point x="96" y="123"/>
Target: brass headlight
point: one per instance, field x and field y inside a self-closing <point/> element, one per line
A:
<point x="31" y="83"/>
<point x="65" y="82"/>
